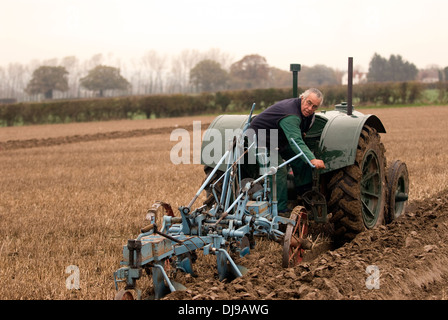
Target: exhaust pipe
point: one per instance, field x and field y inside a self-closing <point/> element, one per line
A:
<point x="350" y="87"/>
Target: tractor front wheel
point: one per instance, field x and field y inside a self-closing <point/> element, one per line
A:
<point x="398" y="189"/>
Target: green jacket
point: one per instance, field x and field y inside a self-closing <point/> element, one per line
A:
<point x="291" y="127"/>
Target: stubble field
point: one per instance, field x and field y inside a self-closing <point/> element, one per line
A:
<point x="71" y="196"/>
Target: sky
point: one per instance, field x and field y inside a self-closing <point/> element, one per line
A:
<point x="311" y="32"/>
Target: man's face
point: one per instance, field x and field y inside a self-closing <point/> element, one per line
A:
<point x="310" y="104"/>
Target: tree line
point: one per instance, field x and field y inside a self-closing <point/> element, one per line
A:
<point x="178" y="105"/>
<point x="189" y="72"/>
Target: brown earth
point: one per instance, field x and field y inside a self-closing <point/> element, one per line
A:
<point x="410" y="256"/>
<point x="59" y="140"/>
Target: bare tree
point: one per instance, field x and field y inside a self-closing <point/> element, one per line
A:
<point x="16" y="78"/>
<point x="136" y="77"/>
<point x="50" y="62"/>
<point x="71" y="64"/>
<point x="154" y="65"/>
<point x="215" y="54"/>
<point x="95" y="60"/>
<point x="181" y="66"/>
<point x="4" y="84"/>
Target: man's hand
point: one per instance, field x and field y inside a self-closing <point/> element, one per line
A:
<point x="319" y="164"/>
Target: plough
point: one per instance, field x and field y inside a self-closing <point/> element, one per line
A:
<point x="242" y="211"/>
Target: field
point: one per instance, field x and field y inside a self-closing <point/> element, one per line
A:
<point x="72" y="194"/>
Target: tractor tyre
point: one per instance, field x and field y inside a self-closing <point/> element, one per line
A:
<point x="358" y="193"/>
<point x="398" y="190"/>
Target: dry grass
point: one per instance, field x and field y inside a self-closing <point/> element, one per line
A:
<point x="418" y="136"/>
<point x="77" y="204"/>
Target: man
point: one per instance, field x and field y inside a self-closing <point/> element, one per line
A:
<point x="292" y="118"/>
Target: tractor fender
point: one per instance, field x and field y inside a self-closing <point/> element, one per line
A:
<point x="339" y="139"/>
<point x="218" y="137"/>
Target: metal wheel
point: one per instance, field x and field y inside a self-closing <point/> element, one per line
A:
<point x="124" y="295"/>
<point x="157" y="211"/>
<point x="294" y="238"/>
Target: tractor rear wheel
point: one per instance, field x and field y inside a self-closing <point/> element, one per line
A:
<point x="358" y="192"/>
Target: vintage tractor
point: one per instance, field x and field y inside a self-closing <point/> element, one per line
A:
<point x="356" y="191"/>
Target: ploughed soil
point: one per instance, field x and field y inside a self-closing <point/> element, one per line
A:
<point x="60" y="140"/>
<point x="406" y="259"/>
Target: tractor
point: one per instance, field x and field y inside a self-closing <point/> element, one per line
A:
<point x="357" y="191"/>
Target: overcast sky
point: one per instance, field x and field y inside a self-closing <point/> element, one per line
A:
<point x="283" y="31"/>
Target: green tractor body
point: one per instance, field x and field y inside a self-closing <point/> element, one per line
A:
<point x="333" y="137"/>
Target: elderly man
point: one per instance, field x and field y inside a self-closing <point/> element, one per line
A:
<point x="292" y="118"/>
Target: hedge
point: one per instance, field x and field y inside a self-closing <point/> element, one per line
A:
<point x="178" y="105"/>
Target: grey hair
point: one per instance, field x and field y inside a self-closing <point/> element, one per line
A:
<point x="317" y="92"/>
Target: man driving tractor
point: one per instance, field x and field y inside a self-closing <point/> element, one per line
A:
<point x="292" y="118"/>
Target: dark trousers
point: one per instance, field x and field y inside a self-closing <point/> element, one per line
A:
<point x="302" y="176"/>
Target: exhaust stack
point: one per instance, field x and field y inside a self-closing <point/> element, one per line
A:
<point x="350" y="87"/>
